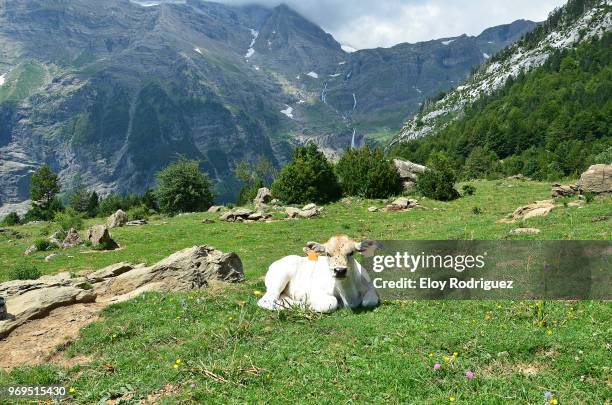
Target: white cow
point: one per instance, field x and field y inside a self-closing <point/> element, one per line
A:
<point x="335" y="279"/>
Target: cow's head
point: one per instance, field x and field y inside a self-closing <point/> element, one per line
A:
<point x="339" y="249"/>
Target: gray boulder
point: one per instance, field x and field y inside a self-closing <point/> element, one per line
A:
<point x="72" y="239"/>
<point x="117" y="220"/>
<point x="216" y="208"/>
<point x="597" y="179"/>
<point x="191" y="268"/>
<point x="409" y="172"/>
<point x="137" y="222"/>
<point x="264" y="196"/>
<point x="98" y="235"/>
<point x="564" y="191"/>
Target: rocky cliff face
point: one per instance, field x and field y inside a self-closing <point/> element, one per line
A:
<point x="107" y="93"/>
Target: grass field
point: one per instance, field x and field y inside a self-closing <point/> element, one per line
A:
<point x="216" y="346"/>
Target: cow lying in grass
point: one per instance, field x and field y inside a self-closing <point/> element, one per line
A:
<point x="329" y="278"/>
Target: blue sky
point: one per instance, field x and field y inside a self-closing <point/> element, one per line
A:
<point x="372" y="23"/>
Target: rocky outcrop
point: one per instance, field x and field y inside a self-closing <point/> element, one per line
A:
<point x="409" y="172"/>
<point x="99" y="237"/>
<point x="137" y="222"/>
<point x="559" y="190"/>
<point x="72" y="239"/>
<point x="245" y="215"/>
<point x="117" y="220"/>
<point x="32" y="299"/>
<point x="308" y="211"/>
<point x="403" y="204"/>
<point x="525" y="231"/>
<point x="264" y="196"/>
<point x="597" y="179"/>
<point x="536" y="209"/>
<point x="191" y="268"/>
<point x="216" y="208"/>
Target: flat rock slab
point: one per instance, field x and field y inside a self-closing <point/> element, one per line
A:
<point x="38" y="303"/>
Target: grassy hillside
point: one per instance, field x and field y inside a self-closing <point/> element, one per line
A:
<point x="231" y="351"/>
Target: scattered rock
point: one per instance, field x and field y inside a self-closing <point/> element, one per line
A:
<point x="236" y="215"/>
<point x="51" y="256"/>
<point x="402" y="204"/>
<point x="208" y="221"/>
<point x="373" y="209"/>
<point x="264" y="196"/>
<point x="347" y="201"/>
<point x="519" y="177"/>
<point x="117" y="220"/>
<point x="275" y="201"/>
<point x="72" y="239"/>
<point x="292" y="212"/>
<point x="408" y="172"/>
<point x="99" y="236"/>
<point x="536" y="209"/>
<point x="30" y="250"/>
<point x="113" y="270"/>
<point x="216" y="208"/>
<point x="525" y="231"/>
<point x="137" y="222"/>
<point x="601" y="218"/>
<point x="310" y="211"/>
<point x="564" y="191"/>
<point x="597" y="179"/>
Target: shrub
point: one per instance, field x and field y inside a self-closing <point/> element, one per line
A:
<point x="44" y="213"/>
<point x="480" y="164"/>
<point x="25" y="272"/>
<point x="366" y="173"/>
<point x="468" y="189"/>
<point x="588" y="197"/>
<point x="138" y="213"/>
<point x="438" y="182"/>
<point x="249" y="192"/>
<point x="42" y="245"/>
<point x="477" y="210"/>
<point x="69" y="219"/>
<point x="11" y="219"/>
<point x="182" y="187"/>
<point x="309" y="178"/>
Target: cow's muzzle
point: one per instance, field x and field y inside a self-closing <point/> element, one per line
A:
<point x="340" y="272"/>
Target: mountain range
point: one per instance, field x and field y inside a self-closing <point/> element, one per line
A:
<point x="107" y="93"/>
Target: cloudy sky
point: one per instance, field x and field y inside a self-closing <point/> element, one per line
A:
<point x="371" y="23"/>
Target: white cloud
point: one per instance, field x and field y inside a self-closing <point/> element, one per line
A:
<point x="367" y="24"/>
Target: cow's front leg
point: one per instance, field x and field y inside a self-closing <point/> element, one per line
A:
<point x="323" y="303"/>
<point x="370" y="299"/>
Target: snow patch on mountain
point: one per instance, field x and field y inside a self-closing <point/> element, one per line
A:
<point x="448" y="42"/>
<point x="251" y="50"/>
<point x="197" y="50"/>
<point x="2" y="79"/>
<point x="314" y="75"/>
<point x="494" y="75"/>
<point x="486" y="55"/>
<point x="288" y="112"/>
<point x="348" y="49"/>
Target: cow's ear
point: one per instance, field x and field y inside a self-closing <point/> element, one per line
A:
<point x="366" y="247"/>
<point x="314" y="247"/>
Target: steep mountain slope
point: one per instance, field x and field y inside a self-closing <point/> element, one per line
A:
<point x="578" y="21"/>
<point x="549" y="121"/>
<point x="109" y="92"/>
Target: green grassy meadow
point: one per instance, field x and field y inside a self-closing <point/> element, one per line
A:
<point x="217" y="346"/>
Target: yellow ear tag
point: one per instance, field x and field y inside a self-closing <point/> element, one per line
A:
<point x="313" y="256"/>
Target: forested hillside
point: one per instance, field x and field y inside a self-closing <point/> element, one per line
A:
<point x="548" y="123"/>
